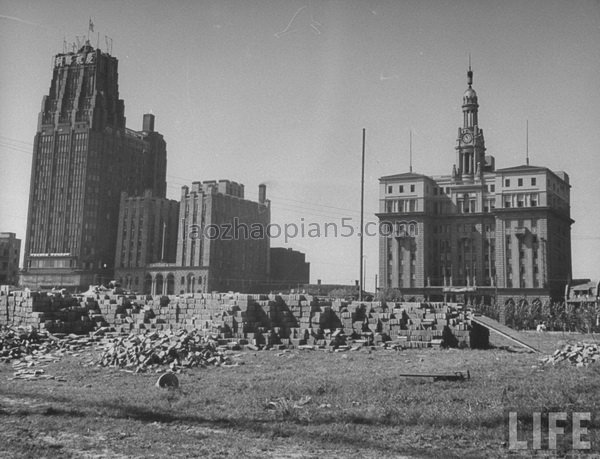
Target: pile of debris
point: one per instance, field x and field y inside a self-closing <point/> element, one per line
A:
<point x="580" y="354"/>
<point x="30" y="350"/>
<point x="178" y="350"/>
<point x="27" y="343"/>
<point x="15" y="343"/>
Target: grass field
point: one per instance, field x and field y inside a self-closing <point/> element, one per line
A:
<point x="292" y="404"/>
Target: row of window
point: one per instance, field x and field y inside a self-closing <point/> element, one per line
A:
<point x="488" y="188"/>
<point x="491" y="188"/>
<point x="400" y="205"/>
<point x="520" y="182"/>
<point x="462" y="206"/>
<point x="521" y="200"/>
<point x="390" y="188"/>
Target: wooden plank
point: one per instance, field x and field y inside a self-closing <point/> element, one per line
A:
<point x="503" y="330"/>
<point x="456" y="376"/>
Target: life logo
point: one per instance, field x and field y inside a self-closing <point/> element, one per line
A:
<point x="550" y="431"/>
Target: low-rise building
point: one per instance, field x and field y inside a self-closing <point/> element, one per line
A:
<point x="10" y="252"/>
<point x="289" y="269"/>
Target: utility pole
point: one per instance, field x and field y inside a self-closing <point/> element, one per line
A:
<point x="362" y="214"/>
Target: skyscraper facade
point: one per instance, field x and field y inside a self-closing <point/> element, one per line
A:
<point x="84" y="157"/>
<point x="479" y="231"/>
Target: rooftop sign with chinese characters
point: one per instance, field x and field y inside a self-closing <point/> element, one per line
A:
<point x="63" y="60"/>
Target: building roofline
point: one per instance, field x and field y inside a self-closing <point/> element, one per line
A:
<point x="528" y="168"/>
<point x="407" y="175"/>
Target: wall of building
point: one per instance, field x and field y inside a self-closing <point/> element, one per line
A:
<point x="288" y="268"/>
<point x="505" y="236"/>
<point x="147" y="231"/>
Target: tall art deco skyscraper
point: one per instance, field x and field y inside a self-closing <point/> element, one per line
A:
<point x="83" y="158"/>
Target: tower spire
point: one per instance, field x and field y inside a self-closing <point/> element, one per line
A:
<point x="470" y="147"/>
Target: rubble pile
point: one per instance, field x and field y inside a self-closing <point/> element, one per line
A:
<point x="580" y="354"/>
<point x="16" y="343"/>
<point x="29" y="345"/>
<point x="30" y="350"/>
<point x="255" y="321"/>
<point x="179" y="350"/>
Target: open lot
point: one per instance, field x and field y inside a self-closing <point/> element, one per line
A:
<point x="293" y="404"/>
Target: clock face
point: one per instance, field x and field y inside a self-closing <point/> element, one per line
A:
<point x="467" y="137"/>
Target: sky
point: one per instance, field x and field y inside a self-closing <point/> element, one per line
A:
<point x="278" y="92"/>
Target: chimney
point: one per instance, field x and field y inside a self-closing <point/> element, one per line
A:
<point x="148" y="125"/>
<point x="262" y="193"/>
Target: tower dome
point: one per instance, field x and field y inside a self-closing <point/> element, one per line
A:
<point x="470" y="96"/>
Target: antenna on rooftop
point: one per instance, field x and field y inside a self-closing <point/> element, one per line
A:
<point x="109" y="43"/>
<point x="527" y="142"/>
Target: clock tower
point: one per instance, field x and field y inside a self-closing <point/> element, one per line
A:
<point x="470" y="146"/>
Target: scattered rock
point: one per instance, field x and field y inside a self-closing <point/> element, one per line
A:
<point x="580" y="354"/>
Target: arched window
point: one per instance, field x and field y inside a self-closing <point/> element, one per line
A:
<point x="400" y="229"/>
<point x="412" y="229"/>
<point x="170" y="284"/>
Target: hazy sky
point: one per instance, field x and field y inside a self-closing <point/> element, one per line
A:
<point x="279" y="92"/>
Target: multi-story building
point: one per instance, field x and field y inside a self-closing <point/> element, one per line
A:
<point x="10" y="252"/>
<point x="83" y="158"/>
<point x="583" y="292"/>
<point x="289" y="268"/>
<point x="480" y="230"/>
<point x="147" y="233"/>
<point x="222" y="242"/>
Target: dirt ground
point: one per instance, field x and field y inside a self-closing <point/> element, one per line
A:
<point x="294" y="404"/>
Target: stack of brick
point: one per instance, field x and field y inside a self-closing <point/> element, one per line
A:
<point x="53" y="312"/>
<point x="241" y="319"/>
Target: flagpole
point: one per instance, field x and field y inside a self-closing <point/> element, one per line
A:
<point x="90" y="29"/>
